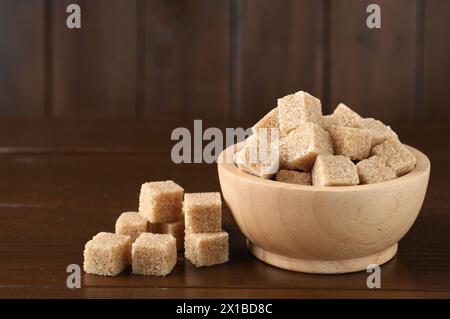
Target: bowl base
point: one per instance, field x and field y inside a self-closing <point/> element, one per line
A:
<point x="322" y="266"/>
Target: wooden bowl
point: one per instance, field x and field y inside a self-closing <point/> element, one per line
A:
<point x="325" y="230"/>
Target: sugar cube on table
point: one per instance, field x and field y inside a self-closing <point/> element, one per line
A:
<point x="154" y="254"/>
<point x="344" y="116"/>
<point x="396" y="155"/>
<point x="161" y="202"/>
<point x="294" y="177"/>
<point x="270" y="120"/>
<point x="298" y="108"/>
<point x="131" y="224"/>
<point x="304" y="144"/>
<point x="380" y="131"/>
<point x="176" y="229"/>
<point x="352" y="142"/>
<point x="374" y="170"/>
<point x="206" y="249"/>
<point x="107" y="254"/>
<point x="260" y="156"/>
<point x="334" y="170"/>
<point x="202" y="212"/>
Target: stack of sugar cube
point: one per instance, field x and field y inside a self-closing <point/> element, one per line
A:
<point x="205" y="243"/>
<point x="161" y="203"/>
<point x="295" y="143"/>
<point x="148" y="240"/>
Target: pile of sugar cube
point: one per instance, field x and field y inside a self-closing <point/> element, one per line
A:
<point x="295" y="143"/>
<point x="148" y="240"/>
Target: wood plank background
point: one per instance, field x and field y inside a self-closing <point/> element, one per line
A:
<point x="374" y="70"/>
<point x="223" y="58"/>
<point x="22" y="57"/>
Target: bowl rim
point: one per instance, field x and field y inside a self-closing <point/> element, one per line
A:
<point x="423" y="166"/>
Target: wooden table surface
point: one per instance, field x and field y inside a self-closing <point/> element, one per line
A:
<point x="62" y="181"/>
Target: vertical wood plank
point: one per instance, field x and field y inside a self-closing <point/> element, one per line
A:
<point x="185" y="58"/>
<point x="437" y="60"/>
<point x="94" y="68"/>
<point x="280" y="50"/>
<point x="22" y="57"/>
<point x="374" y="70"/>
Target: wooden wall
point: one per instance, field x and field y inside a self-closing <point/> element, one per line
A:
<point x="223" y="58"/>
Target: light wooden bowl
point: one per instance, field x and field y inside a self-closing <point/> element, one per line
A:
<point x="325" y="230"/>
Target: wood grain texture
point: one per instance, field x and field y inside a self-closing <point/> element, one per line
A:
<point x="22" y="57"/>
<point x="96" y="136"/>
<point x="196" y="293"/>
<point x="222" y="59"/>
<point x="93" y="71"/>
<point x="373" y="70"/>
<point x="54" y="200"/>
<point x="437" y="59"/>
<point x="59" y="183"/>
<point x="37" y="257"/>
<point x="185" y="56"/>
<point x="279" y="50"/>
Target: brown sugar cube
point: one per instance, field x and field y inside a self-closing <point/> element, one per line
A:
<point x="380" y="131"/>
<point x="176" y="229"/>
<point x="298" y="108"/>
<point x="352" y="142"/>
<point x="344" y="116"/>
<point x="396" y="155"/>
<point x="107" y="254"/>
<point x="154" y="254"/>
<point x="131" y="224"/>
<point x="206" y="249"/>
<point x="334" y="170"/>
<point x="293" y="177"/>
<point x="260" y="156"/>
<point x="327" y="121"/>
<point x="202" y="212"/>
<point x="283" y="158"/>
<point x="161" y="202"/>
<point x="270" y="120"/>
<point x="284" y="163"/>
<point x="303" y="144"/>
<point x="374" y="170"/>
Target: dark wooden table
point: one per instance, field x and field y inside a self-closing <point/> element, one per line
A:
<point x="62" y="181"/>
